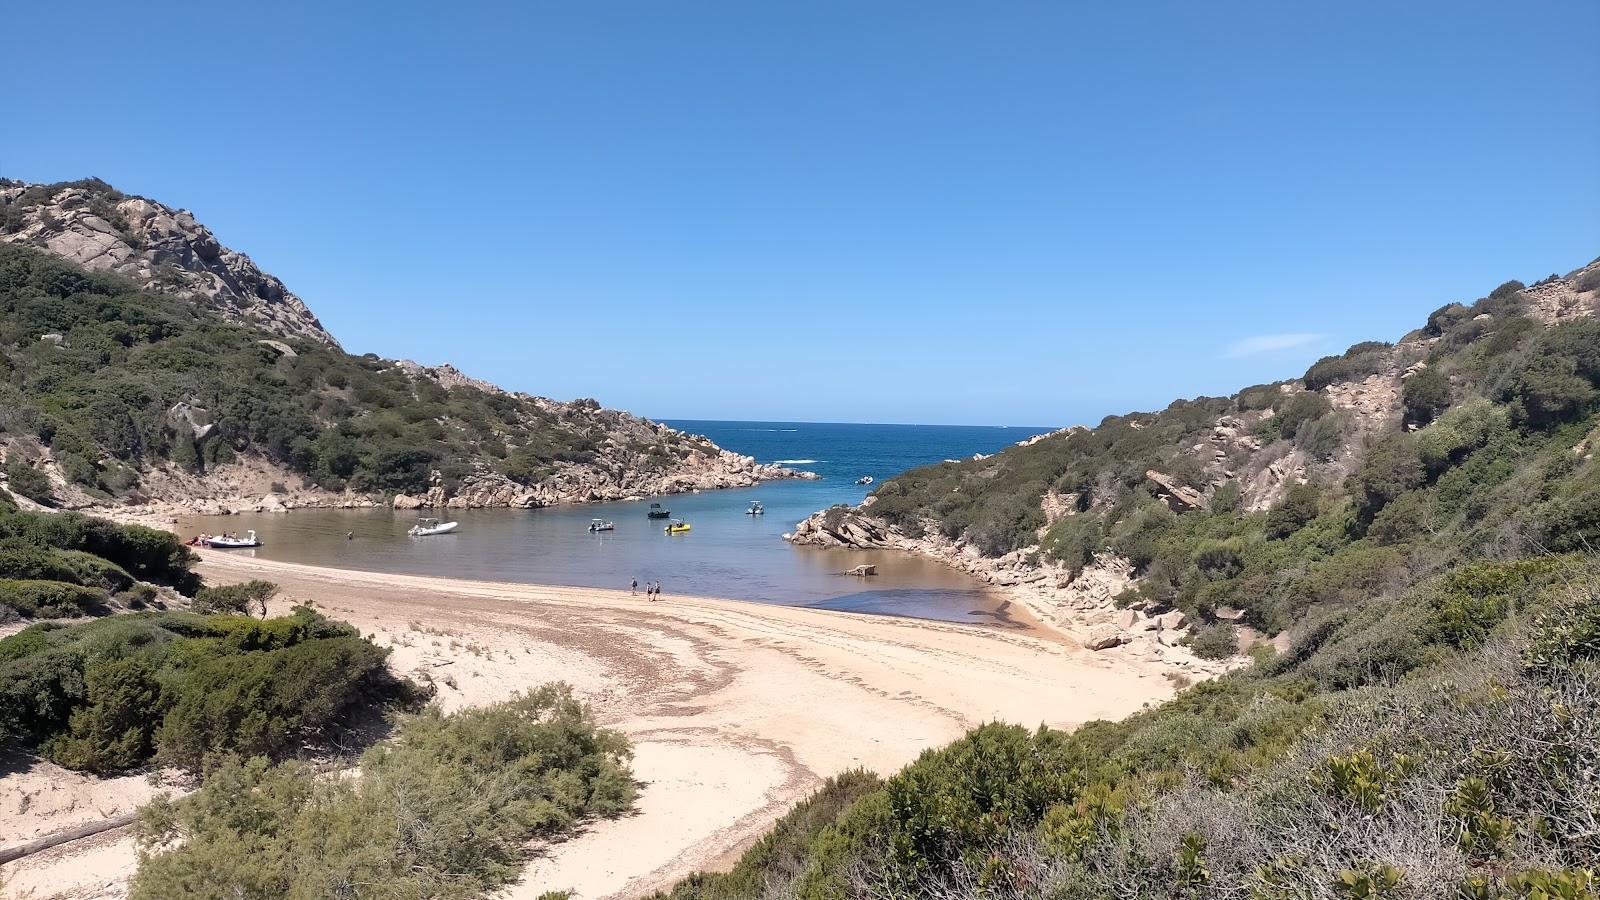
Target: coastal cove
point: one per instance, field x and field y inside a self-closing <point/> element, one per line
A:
<point x="727" y="554"/>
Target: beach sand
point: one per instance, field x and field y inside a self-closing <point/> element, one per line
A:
<point x="736" y="710"/>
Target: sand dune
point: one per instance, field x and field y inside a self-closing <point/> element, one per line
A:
<point x="736" y="710"/>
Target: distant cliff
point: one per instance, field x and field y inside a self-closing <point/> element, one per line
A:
<point x="143" y="364"/>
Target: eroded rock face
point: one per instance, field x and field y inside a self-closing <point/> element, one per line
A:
<point x="160" y="248"/>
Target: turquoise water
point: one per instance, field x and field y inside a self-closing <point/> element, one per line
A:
<point x="727" y="554"/>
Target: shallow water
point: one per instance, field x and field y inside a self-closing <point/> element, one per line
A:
<point x="727" y="553"/>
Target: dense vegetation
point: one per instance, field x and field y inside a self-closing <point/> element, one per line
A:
<point x="1431" y="730"/>
<point x="99" y="397"/>
<point x="1480" y="464"/>
<point x="117" y="692"/>
<point x="441" y="811"/>
<point x="64" y="565"/>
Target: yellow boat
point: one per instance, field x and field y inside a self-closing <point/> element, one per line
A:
<point x="678" y="527"/>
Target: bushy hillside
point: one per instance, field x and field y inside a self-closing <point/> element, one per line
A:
<point x="1415" y="522"/>
<point x="1441" y="743"/>
<point x="112" y="393"/>
<point x="1470" y="438"/>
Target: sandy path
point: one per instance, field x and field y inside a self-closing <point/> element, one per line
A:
<point x="736" y="710"/>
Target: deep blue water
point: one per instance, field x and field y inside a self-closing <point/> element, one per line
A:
<point x="843" y="452"/>
<point x="727" y="554"/>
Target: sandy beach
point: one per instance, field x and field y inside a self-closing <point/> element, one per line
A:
<point x="736" y="710"/>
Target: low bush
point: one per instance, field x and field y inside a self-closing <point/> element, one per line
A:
<point x="111" y="694"/>
<point x="445" y="810"/>
<point x="26" y="561"/>
<point x="1358" y="362"/>
<point x="26" y="481"/>
<point x="50" y="599"/>
<point x="240" y="599"/>
<point x="1218" y="641"/>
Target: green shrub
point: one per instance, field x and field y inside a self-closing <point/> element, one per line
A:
<point x="29" y="482"/>
<point x="1217" y="641"/>
<point x="1298" y="507"/>
<point x="1299" y="410"/>
<point x="1391" y="468"/>
<point x="1073" y="541"/>
<point x="1358" y="362"/>
<point x="443" y="811"/>
<point x="50" y="599"/>
<point x="26" y="561"/>
<point x="1425" y="394"/>
<point x="107" y="694"/>
<point x="239" y="599"/>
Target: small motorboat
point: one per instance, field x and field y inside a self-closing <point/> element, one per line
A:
<point x="865" y="479"/>
<point x="755" y="508"/>
<point x="657" y="512"/>
<point x="232" y="541"/>
<point x="597" y="525"/>
<point x="425" y="527"/>
<point x="678" y="526"/>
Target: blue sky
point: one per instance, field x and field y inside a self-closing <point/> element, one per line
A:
<point x="909" y="212"/>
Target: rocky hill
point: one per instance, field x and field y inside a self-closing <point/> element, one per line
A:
<point x="145" y="366"/>
<point x="160" y="248"/>
<point x="1104" y="530"/>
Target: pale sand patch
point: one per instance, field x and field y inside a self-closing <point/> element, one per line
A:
<point x="736" y="709"/>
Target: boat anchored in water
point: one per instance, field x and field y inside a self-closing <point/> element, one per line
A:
<point x="232" y="541"/>
<point x="865" y="479"/>
<point x="678" y="526"/>
<point x="425" y="527"/>
<point x="658" y="512"/>
<point x="596" y="525"/>
<point x="755" y="509"/>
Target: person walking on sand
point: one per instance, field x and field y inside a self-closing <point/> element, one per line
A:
<point x="633" y="586"/>
<point x="658" y="590"/>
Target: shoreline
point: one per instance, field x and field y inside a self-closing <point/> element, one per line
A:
<point x="737" y="709"/>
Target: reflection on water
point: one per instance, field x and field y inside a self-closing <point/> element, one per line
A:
<point x="727" y="554"/>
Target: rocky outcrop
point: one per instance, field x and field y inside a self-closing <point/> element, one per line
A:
<point x="160" y="248"/>
<point x="579" y="483"/>
<point x="1180" y="498"/>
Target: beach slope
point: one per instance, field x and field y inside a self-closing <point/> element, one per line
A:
<point x="736" y="710"/>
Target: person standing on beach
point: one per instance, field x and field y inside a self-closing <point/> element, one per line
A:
<point x="633" y="586"/>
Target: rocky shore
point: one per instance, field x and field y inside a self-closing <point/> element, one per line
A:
<point x="1079" y="606"/>
<point x="256" y="485"/>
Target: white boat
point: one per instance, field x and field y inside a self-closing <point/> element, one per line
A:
<point x="865" y="479"/>
<point x="755" y="508"/>
<point x="425" y="527"/>
<point x="596" y="525"/>
<point x="232" y="541"/>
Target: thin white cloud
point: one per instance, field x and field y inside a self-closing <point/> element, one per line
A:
<point x="1270" y="343"/>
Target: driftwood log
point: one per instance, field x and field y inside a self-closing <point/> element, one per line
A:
<point x="9" y="854"/>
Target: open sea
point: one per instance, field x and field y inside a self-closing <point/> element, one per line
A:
<point x="727" y="554"/>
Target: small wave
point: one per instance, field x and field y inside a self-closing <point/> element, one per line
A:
<point x="797" y="462"/>
<point x="774" y="430"/>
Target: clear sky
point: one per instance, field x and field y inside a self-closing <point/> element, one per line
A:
<point x="1020" y="213"/>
